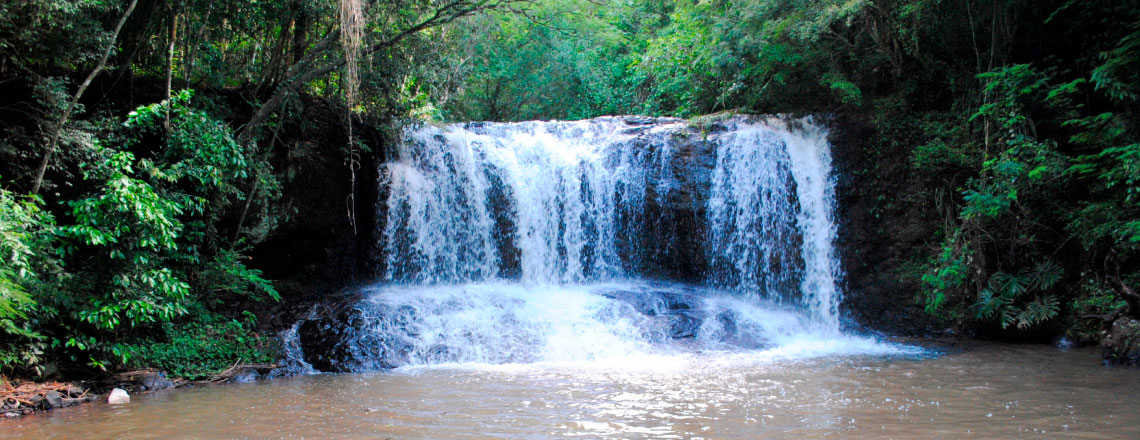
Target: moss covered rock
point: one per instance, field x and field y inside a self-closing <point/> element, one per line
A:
<point x="1121" y="343"/>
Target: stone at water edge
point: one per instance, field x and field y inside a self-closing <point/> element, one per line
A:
<point x="154" y="381"/>
<point x="118" y="396"/>
<point x="1121" y="343"/>
<point x="52" y="399"/>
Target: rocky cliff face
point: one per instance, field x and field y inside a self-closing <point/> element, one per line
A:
<point x="885" y="226"/>
<point x="320" y="247"/>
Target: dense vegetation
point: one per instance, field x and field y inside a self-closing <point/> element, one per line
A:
<point x="141" y="162"/>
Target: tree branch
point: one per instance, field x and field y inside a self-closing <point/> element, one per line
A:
<point x="58" y="129"/>
<point x="1126" y="292"/>
<point x="446" y="13"/>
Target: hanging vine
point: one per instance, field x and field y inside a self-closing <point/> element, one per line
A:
<point x="352" y="32"/>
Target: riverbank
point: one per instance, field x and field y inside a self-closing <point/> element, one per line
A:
<point x="29" y="397"/>
<point x="22" y="398"/>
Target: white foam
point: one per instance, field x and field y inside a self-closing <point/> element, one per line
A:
<point x="506" y="325"/>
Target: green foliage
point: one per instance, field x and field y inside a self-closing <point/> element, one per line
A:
<point x="945" y="277"/>
<point x="1006" y="296"/>
<point x="1057" y="172"/>
<point x="226" y="278"/>
<point x="17" y="223"/>
<point x="26" y="242"/>
<point x="137" y="230"/>
<point x="201" y="347"/>
<point x="142" y="247"/>
<point x="563" y="59"/>
<point x="1117" y="77"/>
<point x="1024" y="112"/>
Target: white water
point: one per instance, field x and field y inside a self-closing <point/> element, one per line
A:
<point x="564" y="188"/>
<point x="631" y="324"/>
<point x="523" y="243"/>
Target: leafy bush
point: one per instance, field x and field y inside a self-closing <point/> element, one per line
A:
<point x="141" y="247"/>
<point x="25" y="254"/>
<point x="201" y="347"/>
<point x="1006" y="296"/>
<point x="136" y="230"/>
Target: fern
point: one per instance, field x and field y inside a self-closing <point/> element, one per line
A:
<point x="989" y="304"/>
<point x="1004" y="293"/>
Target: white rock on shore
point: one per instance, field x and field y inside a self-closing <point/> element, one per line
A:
<point x="118" y="396"/>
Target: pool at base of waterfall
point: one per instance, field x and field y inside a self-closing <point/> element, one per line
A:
<point x="975" y="391"/>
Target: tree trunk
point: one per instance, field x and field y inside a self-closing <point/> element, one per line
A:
<point x="53" y="141"/>
<point x="170" y="64"/>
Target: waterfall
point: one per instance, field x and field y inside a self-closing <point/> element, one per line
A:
<point x="548" y="201"/>
<point x="773" y="188"/>
<point x="563" y="241"/>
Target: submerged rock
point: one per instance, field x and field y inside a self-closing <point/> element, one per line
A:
<point x="686" y="324"/>
<point x="247" y="376"/>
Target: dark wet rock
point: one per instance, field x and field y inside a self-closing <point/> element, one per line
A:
<point x="51" y="400"/>
<point x="75" y="391"/>
<point x="651" y="305"/>
<point x="346" y="342"/>
<point x="313" y="256"/>
<point x="679" y="301"/>
<point x="153" y="381"/>
<point x="69" y="402"/>
<point x="685" y="324"/>
<point x="280" y="372"/>
<point x="246" y="376"/>
<point x="673" y="226"/>
<point x="1121" y="343"/>
<point x="323" y="345"/>
<point x="885" y="227"/>
<point x="638" y="120"/>
<point x="679" y="310"/>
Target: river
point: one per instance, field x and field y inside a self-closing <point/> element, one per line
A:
<point x="977" y="391"/>
<point x="520" y="295"/>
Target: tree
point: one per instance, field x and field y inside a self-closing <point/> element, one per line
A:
<point x="53" y="140"/>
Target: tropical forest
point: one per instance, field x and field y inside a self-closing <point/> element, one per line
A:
<point x="538" y="219"/>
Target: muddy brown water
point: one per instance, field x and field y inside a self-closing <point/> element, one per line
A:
<point x="983" y="391"/>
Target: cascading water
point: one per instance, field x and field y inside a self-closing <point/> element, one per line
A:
<point x="532" y="242"/>
<point x="772" y="189"/>
<point x="549" y="201"/>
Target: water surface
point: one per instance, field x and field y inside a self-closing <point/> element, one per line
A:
<point x="984" y="391"/>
